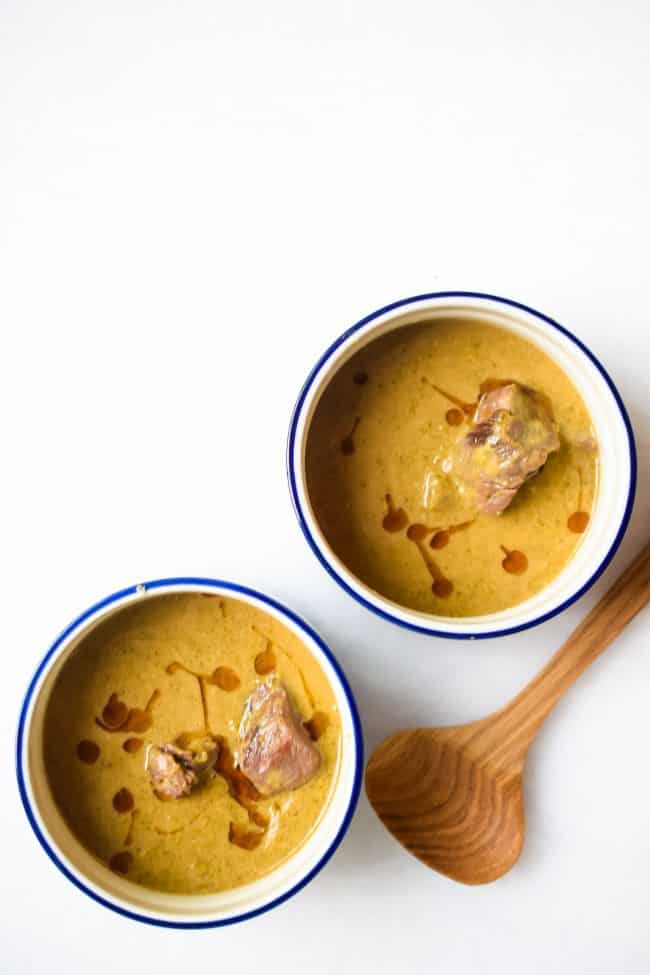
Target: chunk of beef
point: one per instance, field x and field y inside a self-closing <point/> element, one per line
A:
<point x="512" y="436"/>
<point x="276" y="753"/>
<point x="175" y="771"/>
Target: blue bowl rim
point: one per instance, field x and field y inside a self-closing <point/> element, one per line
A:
<point x="291" y="472"/>
<point x="238" y="590"/>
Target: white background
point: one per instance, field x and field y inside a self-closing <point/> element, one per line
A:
<point x="195" y="198"/>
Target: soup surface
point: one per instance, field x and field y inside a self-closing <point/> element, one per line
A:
<point x="381" y="477"/>
<point x="169" y="669"/>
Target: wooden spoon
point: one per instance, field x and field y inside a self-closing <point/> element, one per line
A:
<point x="452" y="796"/>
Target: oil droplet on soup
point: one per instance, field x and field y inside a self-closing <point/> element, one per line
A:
<point x="123" y="801"/>
<point x="120" y="862"/>
<point x="118" y="716"/>
<point x="464" y="409"/>
<point x="440" y="539"/>
<point x="88" y="751"/>
<point x="133" y="745"/>
<point x="347" y="443"/>
<point x="515" y="562"/>
<point x="578" y="522"/>
<point x="454" y="417"/>
<point x="443" y="588"/>
<point x="317" y="725"/>
<point x="225" y="678"/>
<point x="114" y="714"/>
<point x="395" y="519"/>
<point x="265" y="662"/>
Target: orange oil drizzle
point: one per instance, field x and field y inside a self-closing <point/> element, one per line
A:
<point x="455" y="416"/>
<point x="133" y="745"/>
<point x="120" y="862"/>
<point x="185" y="737"/>
<point x="441" y="586"/>
<point x="246" y="839"/>
<point x="265" y="662"/>
<point x="395" y="519"/>
<point x="317" y="725"/>
<point x="223" y="677"/>
<point x="239" y="785"/>
<point x="347" y="443"/>
<point x="578" y="521"/>
<point x="246" y="795"/>
<point x="442" y="537"/>
<point x="515" y="562"/>
<point x="118" y="716"/>
<point x="461" y="409"/>
<point x="88" y="752"/>
<point x="418" y="532"/>
<point x="305" y="685"/>
<point x="123" y="801"/>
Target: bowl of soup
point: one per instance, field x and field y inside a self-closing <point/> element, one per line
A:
<point x="461" y="464"/>
<point x="189" y="753"/>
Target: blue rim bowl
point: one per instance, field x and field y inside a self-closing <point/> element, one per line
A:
<point x="617" y="481"/>
<point x="138" y="903"/>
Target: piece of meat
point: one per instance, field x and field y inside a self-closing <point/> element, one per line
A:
<point x="276" y="753"/>
<point x="175" y="771"/>
<point x="511" y="438"/>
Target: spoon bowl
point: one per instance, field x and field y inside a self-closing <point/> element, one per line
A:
<point x="453" y="796"/>
<point x="464" y="817"/>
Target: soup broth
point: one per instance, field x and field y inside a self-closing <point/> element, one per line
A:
<point x="381" y="482"/>
<point x="169" y="669"/>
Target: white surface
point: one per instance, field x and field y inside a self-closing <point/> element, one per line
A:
<point x="195" y="199"/>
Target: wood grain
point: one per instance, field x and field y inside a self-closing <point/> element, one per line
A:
<point x="452" y="796"/>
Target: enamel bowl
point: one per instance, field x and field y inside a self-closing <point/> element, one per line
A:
<point x="617" y="478"/>
<point x="139" y="903"/>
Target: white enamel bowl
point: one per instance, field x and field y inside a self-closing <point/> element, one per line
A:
<point x="94" y="877"/>
<point x="615" y="495"/>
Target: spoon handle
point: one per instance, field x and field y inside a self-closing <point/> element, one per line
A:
<point x="517" y="724"/>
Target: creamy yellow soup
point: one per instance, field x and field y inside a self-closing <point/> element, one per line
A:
<point x="178" y="666"/>
<point x="378" y="471"/>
